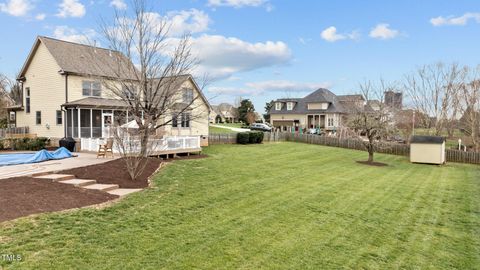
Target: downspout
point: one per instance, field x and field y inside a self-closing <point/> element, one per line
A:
<point x="65" y="111"/>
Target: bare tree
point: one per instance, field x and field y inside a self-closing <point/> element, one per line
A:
<point x="433" y="89"/>
<point x="148" y="74"/>
<point x="372" y="122"/>
<point x="470" y="100"/>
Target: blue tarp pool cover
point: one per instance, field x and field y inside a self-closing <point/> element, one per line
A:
<point x="42" y="155"/>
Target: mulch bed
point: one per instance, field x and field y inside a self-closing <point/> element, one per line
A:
<point x="376" y="164"/>
<point x="23" y="196"/>
<point x="115" y="172"/>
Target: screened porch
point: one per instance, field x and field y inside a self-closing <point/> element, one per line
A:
<point x="93" y="123"/>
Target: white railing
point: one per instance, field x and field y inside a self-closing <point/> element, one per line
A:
<point x="167" y="143"/>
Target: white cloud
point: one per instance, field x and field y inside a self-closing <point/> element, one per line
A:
<point x="451" y="20"/>
<point x="16" y="7"/>
<point x="221" y="57"/>
<point x="237" y="3"/>
<point x="41" y="16"/>
<point x="71" y="8"/>
<point x="383" y="31"/>
<point x="186" y="21"/>
<point x="118" y="4"/>
<point x="85" y="36"/>
<point x="330" y="34"/>
<point x="258" y="88"/>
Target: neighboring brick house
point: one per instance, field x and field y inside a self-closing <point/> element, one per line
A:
<point x="63" y="95"/>
<point x="321" y="109"/>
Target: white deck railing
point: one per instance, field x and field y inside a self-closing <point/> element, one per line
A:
<point x="156" y="146"/>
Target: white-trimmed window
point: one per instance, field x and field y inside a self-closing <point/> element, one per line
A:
<point x="91" y="88"/>
<point x="278" y="106"/>
<point x="187" y="95"/>
<point x="181" y="120"/>
<point x="330" y="122"/>
<point x="289" y="106"/>
<point x="129" y="92"/>
<point x="12" y="116"/>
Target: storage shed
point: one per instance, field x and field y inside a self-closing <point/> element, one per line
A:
<point x="427" y="149"/>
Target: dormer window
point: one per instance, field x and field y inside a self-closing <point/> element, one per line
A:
<point x="278" y="106"/>
<point x="289" y="106"/>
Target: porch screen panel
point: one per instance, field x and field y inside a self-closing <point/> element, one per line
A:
<point x="97" y="123"/>
<point x="75" y="123"/>
<point x="69" y="123"/>
<point x="85" y="127"/>
<point x="120" y="118"/>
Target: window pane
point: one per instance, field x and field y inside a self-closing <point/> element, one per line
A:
<point x="27" y="104"/>
<point x="86" y="88"/>
<point x="97" y="123"/>
<point x="96" y="89"/>
<point x="39" y="117"/>
<point x="59" y="117"/>
<point x="174" y="120"/>
<point x="85" y="123"/>
<point x="69" y="123"/>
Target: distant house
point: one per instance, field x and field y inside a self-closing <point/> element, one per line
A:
<point x="224" y="113"/>
<point x="321" y="109"/>
<point x="63" y="94"/>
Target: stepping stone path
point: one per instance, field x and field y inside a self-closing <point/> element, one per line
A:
<point x="87" y="184"/>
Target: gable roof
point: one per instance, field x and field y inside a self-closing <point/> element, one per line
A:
<point x="320" y="95"/>
<point x="80" y="59"/>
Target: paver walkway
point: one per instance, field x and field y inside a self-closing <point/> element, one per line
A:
<point x="70" y="179"/>
<point x="81" y="160"/>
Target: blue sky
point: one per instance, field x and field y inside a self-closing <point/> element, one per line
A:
<point x="268" y="49"/>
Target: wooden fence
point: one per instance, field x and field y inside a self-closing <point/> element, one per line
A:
<point x="231" y="138"/>
<point x="349" y="143"/>
<point x="5" y="132"/>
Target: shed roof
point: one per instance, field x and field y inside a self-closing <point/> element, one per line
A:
<point x="427" y="139"/>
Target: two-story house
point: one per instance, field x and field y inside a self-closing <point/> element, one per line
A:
<point x="321" y="109"/>
<point x="64" y="93"/>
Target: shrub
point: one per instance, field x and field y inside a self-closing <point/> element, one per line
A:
<point x="243" y="137"/>
<point x="33" y="144"/>
<point x="250" y="137"/>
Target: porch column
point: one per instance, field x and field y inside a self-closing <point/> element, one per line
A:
<point x="91" y="123"/>
<point x="79" y="125"/>
<point x="71" y="118"/>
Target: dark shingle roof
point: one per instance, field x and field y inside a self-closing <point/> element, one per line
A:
<point x="96" y="102"/>
<point x="321" y="95"/>
<point x="74" y="58"/>
<point x="350" y="98"/>
<point x="427" y="139"/>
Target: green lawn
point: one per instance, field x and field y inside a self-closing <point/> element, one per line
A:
<point x="217" y="130"/>
<point x="235" y="125"/>
<point x="271" y="206"/>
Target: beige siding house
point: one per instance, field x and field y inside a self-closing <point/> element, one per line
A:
<point x="320" y="110"/>
<point x="64" y="94"/>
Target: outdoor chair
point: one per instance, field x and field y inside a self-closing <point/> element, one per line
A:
<point x="105" y="149"/>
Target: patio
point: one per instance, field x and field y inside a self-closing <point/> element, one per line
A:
<point x="82" y="159"/>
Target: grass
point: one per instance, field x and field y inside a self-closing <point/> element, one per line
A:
<point x="235" y="125"/>
<point x="271" y="206"/>
<point x="217" y="130"/>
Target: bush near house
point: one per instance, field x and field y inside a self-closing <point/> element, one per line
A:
<point x="31" y="144"/>
<point x="250" y="137"/>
